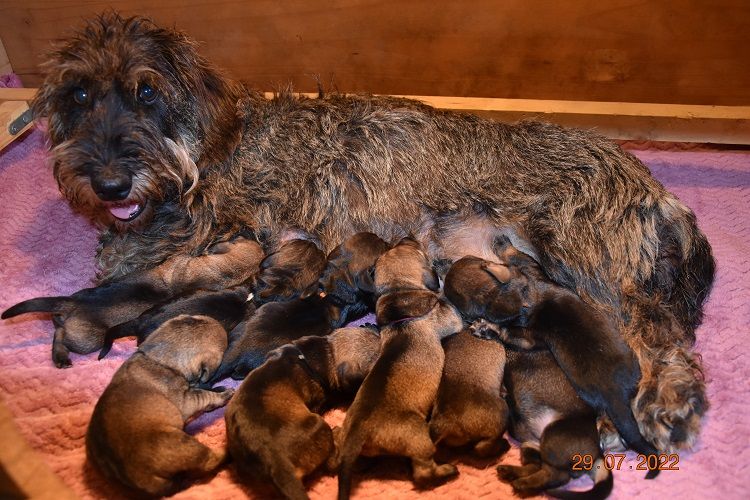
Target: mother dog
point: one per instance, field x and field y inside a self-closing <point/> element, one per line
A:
<point x="169" y="156"/>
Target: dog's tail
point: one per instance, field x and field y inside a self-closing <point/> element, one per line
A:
<point x="624" y="420"/>
<point x="603" y="483"/>
<point x="127" y="329"/>
<point x="350" y="450"/>
<point x="39" y="304"/>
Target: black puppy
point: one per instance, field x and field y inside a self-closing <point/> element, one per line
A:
<point x="553" y="425"/>
<point x="229" y="307"/>
<point x="516" y="302"/>
<point x="346" y="292"/>
<point x="82" y="319"/>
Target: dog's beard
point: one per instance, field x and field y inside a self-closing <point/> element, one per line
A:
<point x="160" y="168"/>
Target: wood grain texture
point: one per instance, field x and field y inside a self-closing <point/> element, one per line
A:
<point x="679" y="51"/>
<point x="9" y="111"/>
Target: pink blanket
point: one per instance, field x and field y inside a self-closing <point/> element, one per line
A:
<point x="45" y="249"/>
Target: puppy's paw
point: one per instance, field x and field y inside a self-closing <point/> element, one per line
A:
<point x="226" y="393"/>
<point x="61" y="357"/>
<point x="219" y="248"/>
<point x="428" y="477"/>
<point x="494" y="447"/>
<point x="508" y="473"/>
<point x="485" y="330"/>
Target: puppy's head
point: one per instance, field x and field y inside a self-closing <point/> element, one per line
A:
<point x="355" y="350"/>
<point x="191" y="345"/>
<point x="133" y="114"/>
<point x="483" y="289"/>
<point x="349" y="274"/>
<point x="290" y="272"/>
<point x="405" y="266"/>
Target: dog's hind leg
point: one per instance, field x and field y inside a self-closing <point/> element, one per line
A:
<point x="421" y="451"/>
<point x="60" y="353"/>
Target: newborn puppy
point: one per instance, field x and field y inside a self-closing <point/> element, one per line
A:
<point x="346" y="290"/>
<point x="517" y="303"/>
<point x="553" y="425"/>
<point x="136" y="432"/>
<point x="389" y="414"/>
<point x="228" y="307"/>
<point x="469" y="409"/>
<point x="82" y="319"/>
<point x="349" y="273"/>
<point x="273" y="425"/>
<point x="290" y="272"/>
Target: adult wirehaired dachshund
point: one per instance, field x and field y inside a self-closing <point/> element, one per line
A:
<point x="168" y="155"/>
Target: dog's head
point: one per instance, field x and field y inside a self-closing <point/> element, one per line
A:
<point x="133" y="114"/>
<point x="290" y="272"/>
<point x="483" y="289"/>
<point x="349" y="274"/>
<point x="191" y="345"/>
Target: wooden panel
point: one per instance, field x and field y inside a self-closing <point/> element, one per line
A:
<point x="9" y="111"/>
<point x="665" y="51"/>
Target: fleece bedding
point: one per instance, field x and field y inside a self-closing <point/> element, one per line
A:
<point x="46" y="249"/>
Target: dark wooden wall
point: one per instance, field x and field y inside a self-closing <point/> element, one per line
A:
<point x="678" y="51"/>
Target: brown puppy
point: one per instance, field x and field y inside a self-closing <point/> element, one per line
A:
<point x="82" y="319"/>
<point x="290" y="272"/>
<point x="228" y="307"/>
<point x="554" y="425"/>
<point x="347" y="294"/>
<point x="136" y="432"/>
<point x="389" y="414"/>
<point x="516" y="303"/>
<point x="469" y="409"/>
<point x="273" y="425"/>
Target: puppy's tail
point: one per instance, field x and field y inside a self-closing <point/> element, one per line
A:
<point x="622" y="417"/>
<point x="127" y="329"/>
<point x="348" y="454"/>
<point x="603" y="483"/>
<point x="40" y="304"/>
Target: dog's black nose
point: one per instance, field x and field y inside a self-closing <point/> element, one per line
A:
<point x="112" y="187"/>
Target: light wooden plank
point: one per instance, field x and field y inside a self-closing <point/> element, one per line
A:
<point x="9" y="111"/>
<point x="17" y="94"/>
<point x="5" y="66"/>
<point x="678" y="51"/>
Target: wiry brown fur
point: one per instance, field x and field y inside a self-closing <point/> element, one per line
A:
<point x="592" y="214"/>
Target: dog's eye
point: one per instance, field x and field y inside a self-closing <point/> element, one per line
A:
<point x="80" y="95"/>
<point x="146" y="94"/>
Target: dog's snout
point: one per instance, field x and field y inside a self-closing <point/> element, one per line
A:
<point x="112" y="187"/>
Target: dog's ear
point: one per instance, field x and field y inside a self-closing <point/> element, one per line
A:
<point x="431" y="280"/>
<point x="402" y="305"/>
<point x="365" y="280"/>
<point x="498" y="271"/>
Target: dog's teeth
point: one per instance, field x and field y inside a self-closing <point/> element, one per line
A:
<point x="250" y="297"/>
<point x="301" y="356"/>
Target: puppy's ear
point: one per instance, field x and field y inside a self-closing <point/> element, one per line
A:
<point x="431" y="280"/>
<point x="365" y="280"/>
<point x="402" y="305"/>
<point x="498" y="271"/>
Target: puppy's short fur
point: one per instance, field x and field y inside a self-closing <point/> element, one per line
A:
<point x="290" y="272"/>
<point x="272" y="423"/>
<point x="516" y="302"/>
<point x="389" y="414"/>
<point x="347" y="289"/>
<point x="82" y="319"/>
<point x="469" y="408"/>
<point x="228" y="307"/>
<point x="553" y="424"/>
<point x="136" y="432"/>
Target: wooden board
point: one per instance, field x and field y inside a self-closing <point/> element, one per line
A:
<point x="9" y="111"/>
<point x="5" y="66"/>
<point x="662" y="51"/>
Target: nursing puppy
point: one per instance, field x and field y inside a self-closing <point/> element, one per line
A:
<point x="290" y="272"/>
<point x="82" y="319"/>
<point x="516" y="303"/>
<point x="136" y="432"/>
<point x="228" y="307"/>
<point x="347" y="291"/>
<point x="389" y="414"/>
<point x="553" y="425"/>
<point x="469" y="408"/>
<point x="273" y="425"/>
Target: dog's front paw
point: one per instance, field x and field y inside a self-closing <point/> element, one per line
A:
<point x="61" y="357"/>
<point x="485" y="330"/>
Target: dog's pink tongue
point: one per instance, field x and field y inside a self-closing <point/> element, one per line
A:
<point x="124" y="212"/>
